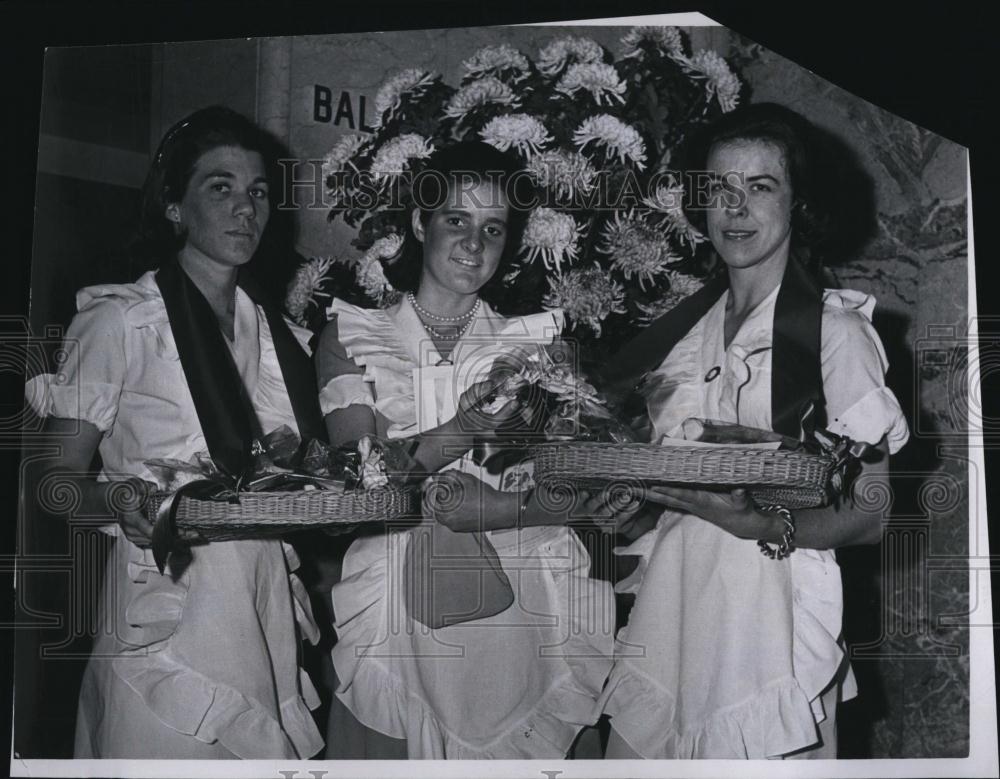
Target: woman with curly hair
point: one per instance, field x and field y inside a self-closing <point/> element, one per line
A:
<point x="733" y="648"/>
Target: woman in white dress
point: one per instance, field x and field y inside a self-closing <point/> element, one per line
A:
<point x="201" y="661"/>
<point x="518" y="678"/>
<point x="730" y="652"/>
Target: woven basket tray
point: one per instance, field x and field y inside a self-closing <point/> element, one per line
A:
<point x="790" y="478"/>
<point x="266" y="514"/>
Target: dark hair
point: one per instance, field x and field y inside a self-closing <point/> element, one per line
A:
<point x="807" y="158"/>
<point x="471" y="162"/>
<point x="178" y="154"/>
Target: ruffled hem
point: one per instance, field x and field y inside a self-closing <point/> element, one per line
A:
<point x="381" y="702"/>
<point x="775" y="721"/>
<point x="304" y="616"/>
<point x="817" y="613"/>
<point x="195" y="705"/>
<point x="189" y="702"/>
<point x="380" y="699"/>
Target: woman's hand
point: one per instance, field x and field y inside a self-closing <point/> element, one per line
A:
<point x="559" y="504"/>
<point x="639" y="522"/>
<point x="463" y="503"/>
<point x="732" y="511"/>
<point x="126" y="500"/>
<point x="472" y="419"/>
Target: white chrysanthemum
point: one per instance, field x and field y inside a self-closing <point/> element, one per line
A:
<point x="599" y="79"/>
<point x="720" y="81"/>
<point x="617" y="138"/>
<point x="479" y="93"/>
<point x="635" y="248"/>
<point x="587" y="295"/>
<point x="342" y="153"/>
<point x="395" y="155"/>
<point x="412" y="81"/>
<point x="569" y="48"/>
<point x="370" y="273"/>
<point x="493" y="60"/>
<point x="566" y="172"/>
<point x="667" y="39"/>
<point x="669" y="201"/>
<point x="387" y="247"/>
<point x="681" y="286"/>
<point x="522" y="131"/>
<point x="304" y="287"/>
<point x="553" y="236"/>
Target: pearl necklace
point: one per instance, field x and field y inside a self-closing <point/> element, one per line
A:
<point x="425" y="314"/>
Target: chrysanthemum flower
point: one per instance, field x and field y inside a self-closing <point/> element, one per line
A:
<point x="720" y="81"/>
<point x="342" y="153"/>
<point x="569" y="48"/>
<point x="304" y="287"/>
<point x="587" y="295"/>
<point x="599" y="79"/>
<point x="494" y="60"/>
<point x="635" y="248"/>
<point x="370" y="273"/>
<point x="669" y="201"/>
<point x="566" y="172"/>
<point x="553" y="236"/>
<point x="681" y="286"/>
<point x="479" y="93"/>
<point x="412" y="81"/>
<point x="522" y="131"/>
<point x="617" y="138"/>
<point x="395" y="155"/>
<point x="667" y="39"/>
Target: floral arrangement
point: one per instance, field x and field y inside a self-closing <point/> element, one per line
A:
<point x="282" y="462"/>
<point x="609" y="241"/>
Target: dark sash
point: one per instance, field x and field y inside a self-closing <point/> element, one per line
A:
<point x="225" y="413"/>
<point x="796" y="375"/>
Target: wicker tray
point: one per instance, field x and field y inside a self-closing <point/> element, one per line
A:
<point x="267" y="514"/>
<point x="791" y="478"/>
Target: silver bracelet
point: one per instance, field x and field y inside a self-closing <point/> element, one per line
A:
<point x="787" y="545"/>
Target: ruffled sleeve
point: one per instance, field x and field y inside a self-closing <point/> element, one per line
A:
<point x="341" y="380"/>
<point x="370" y="341"/>
<point x="854" y="363"/>
<point x="369" y="337"/>
<point x="92" y="365"/>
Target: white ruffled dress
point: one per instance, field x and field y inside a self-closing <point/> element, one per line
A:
<point x="728" y="654"/>
<point x="207" y="665"/>
<point x="517" y="685"/>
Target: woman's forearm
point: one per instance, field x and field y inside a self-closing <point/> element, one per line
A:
<point x="858" y="519"/>
<point x="442" y="445"/>
<point x="508" y="510"/>
<point x="96" y="498"/>
<point x="823" y="528"/>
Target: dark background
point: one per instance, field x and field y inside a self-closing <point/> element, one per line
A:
<point x="928" y="63"/>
